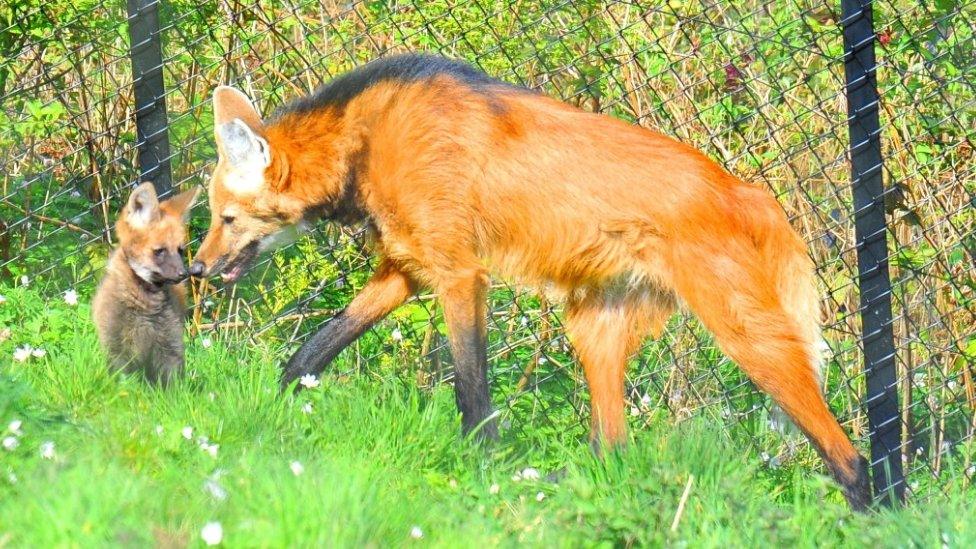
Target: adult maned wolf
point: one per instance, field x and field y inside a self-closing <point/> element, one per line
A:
<point x="459" y="175"/>
<point x="139" y="306"/>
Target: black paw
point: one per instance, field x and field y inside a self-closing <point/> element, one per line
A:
<point x="289" y="376"/>
<point x="483" y="431"/>
<point x="857" y="488"/>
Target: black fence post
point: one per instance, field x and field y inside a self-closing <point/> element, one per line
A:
<point x="145" y="52"/>
<point x="872" y="250"/>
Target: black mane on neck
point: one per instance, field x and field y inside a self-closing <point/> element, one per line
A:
<point x="408" y="67"/>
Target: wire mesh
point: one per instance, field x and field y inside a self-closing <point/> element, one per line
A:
<point x="758" y="86"/>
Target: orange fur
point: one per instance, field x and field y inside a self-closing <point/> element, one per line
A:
<point x="620" y="221"/>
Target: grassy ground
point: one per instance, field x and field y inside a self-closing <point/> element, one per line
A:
<point x="369" y="461"/>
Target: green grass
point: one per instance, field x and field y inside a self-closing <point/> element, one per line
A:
<point x="380" y="457"/>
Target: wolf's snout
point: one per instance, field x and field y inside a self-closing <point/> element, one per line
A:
<point x="197" y="268"/>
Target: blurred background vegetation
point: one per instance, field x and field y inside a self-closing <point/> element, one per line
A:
<point x="757" y="85"/>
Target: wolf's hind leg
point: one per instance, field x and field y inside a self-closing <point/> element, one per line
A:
<point x="605" y="331"/>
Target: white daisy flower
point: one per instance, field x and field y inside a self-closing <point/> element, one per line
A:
<point x="634" y="411"/>
<point x="187" y="432"/>
<point x="396" y="335"/>
<point x="22" y="353"/>
<point x="24" y="280"/>
<point x="47" y="450"/>
<point x="212" y="533"/>
<point x="206" y="343"/>
<point x="540" y="496"/>
<point x="209" y="448"/>
<point x="530" y="473"/>
<point x="71" y="297"/>
<point x="216" y="491"/>
<point x="416" y="532"/>
<point x="646" y="400"/>
<point x="159" y="429"/>
<point x="309" y="381"/>
<point x="38" y="353"/>
<point x="14" y="427"/>
<point x="3" y="299"/>
<point x="494" y="489"/>
<point x="307" y="408"/>
<point x="10" y="443"/>
<point x="296" y="468"/>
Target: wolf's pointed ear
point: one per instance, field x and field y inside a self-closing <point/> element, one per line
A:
<point x="182" y="203"/>
<point x="230" y="103"/>
<point x="143" y="206"/>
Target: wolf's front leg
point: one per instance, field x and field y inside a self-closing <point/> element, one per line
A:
<point x="386" y="290"/>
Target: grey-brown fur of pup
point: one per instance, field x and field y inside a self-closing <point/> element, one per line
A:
<point x="139" y="308"/>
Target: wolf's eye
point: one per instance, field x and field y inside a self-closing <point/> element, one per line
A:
<point x="227" y="219"/>
<point x="158" y="252"/>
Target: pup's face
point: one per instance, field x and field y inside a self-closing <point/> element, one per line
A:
<point x="152" y="234"/>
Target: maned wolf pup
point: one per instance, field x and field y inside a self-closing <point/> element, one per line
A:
<point x="138" y="309"/>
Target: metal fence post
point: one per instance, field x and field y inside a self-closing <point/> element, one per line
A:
<point x="145" y="52"/>
<point x="872" y="249"/>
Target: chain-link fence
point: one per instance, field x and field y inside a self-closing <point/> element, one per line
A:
<point x="759" y="86"/>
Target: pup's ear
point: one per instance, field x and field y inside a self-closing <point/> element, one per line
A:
<point x="182" y="203"/>
<point x="143" y="206"/>
<point x="230" y="103"/>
